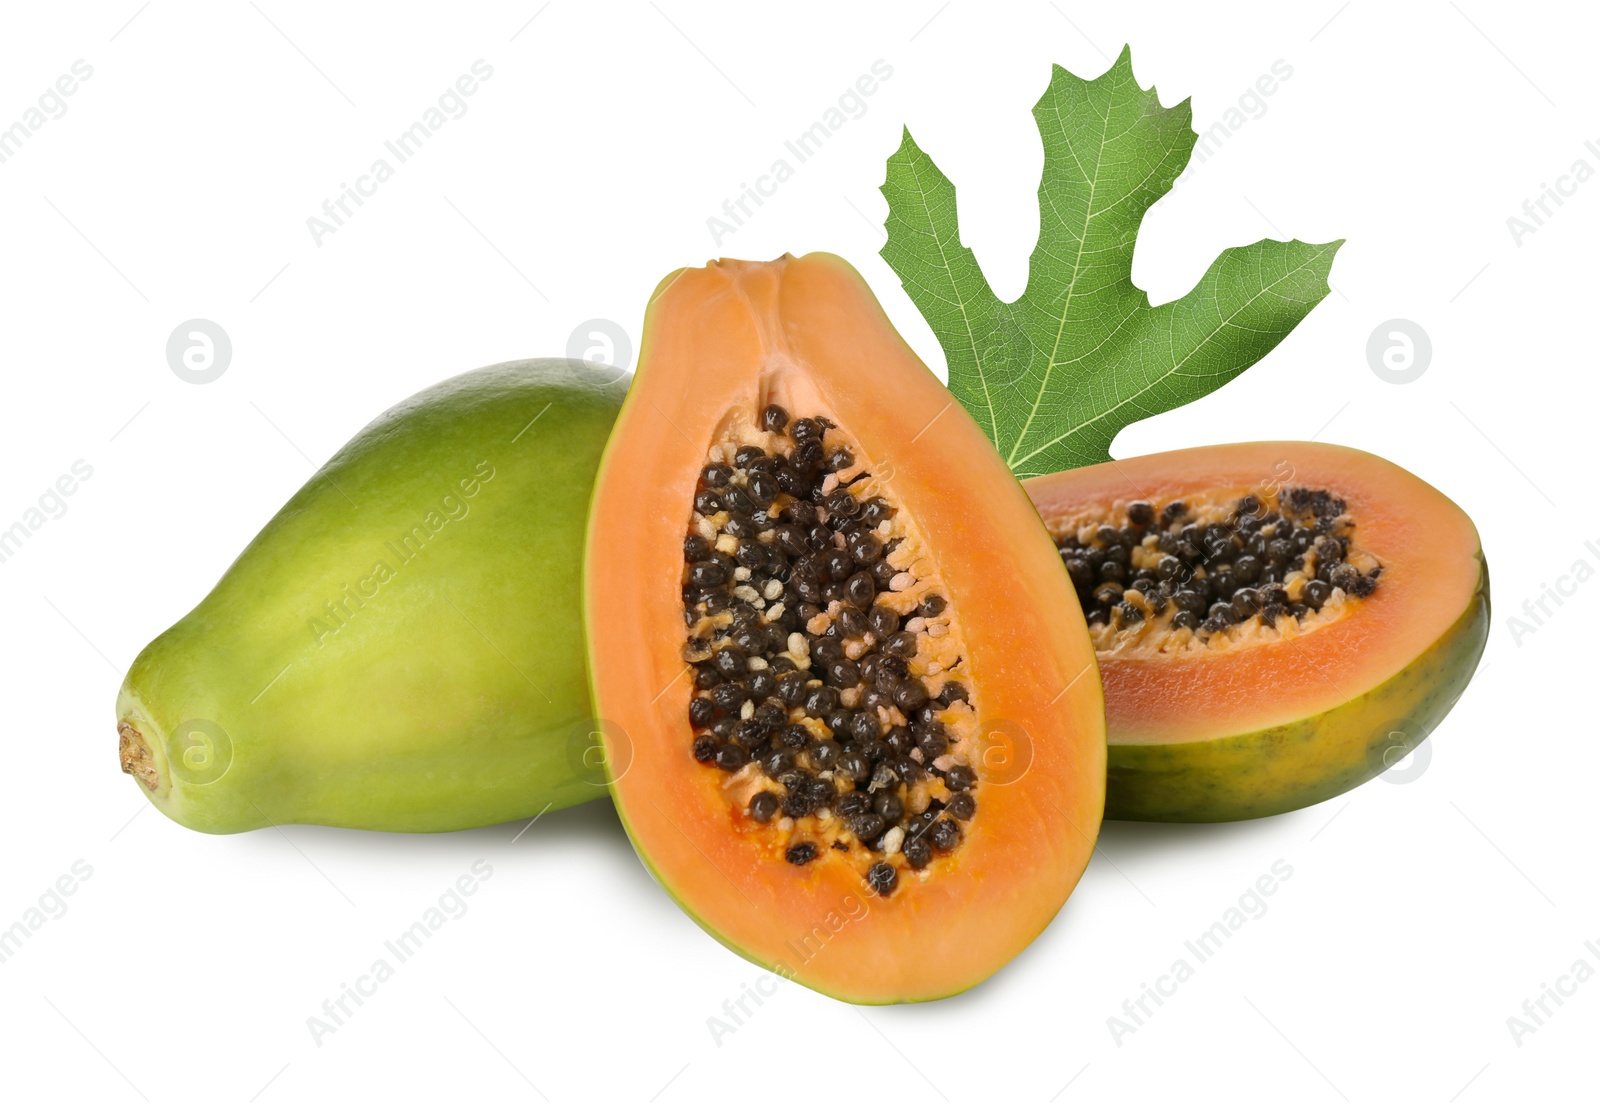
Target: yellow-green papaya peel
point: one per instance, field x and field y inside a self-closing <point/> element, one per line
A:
<point x="402" y="646"/>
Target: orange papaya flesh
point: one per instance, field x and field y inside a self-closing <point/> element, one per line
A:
<point x="848" y="725"/>
<point x="1369" y="643"/>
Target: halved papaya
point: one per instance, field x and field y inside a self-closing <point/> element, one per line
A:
<point x="1275" y="622"/>
<point x="848" y="705"/>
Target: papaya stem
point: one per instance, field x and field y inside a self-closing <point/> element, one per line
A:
<point x="136" y="757"/>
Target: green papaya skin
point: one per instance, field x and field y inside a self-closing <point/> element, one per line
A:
<point x="401" y="647"/>
<point x="1288" y="767"/>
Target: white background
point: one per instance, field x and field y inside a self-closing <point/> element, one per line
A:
<point x="177" y="185"/>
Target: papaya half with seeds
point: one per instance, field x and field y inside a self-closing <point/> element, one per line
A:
<point x="1275" y="622"/>
<point x="398" y="647"/>
<point x="850" y="711"/>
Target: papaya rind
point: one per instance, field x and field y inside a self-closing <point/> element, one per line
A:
<point x="1289" y="767"/>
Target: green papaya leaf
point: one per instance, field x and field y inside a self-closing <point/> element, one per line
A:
<point x="1053" y="376"/>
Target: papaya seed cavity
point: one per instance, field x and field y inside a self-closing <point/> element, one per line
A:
<point x="1214" y="572"/>
<point x="831" y="688"/>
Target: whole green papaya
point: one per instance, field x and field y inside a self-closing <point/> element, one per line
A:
<point x="402" y="646"/>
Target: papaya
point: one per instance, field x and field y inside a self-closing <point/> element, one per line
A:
<point x="1275" y="622"/>
<point x="399" y="647"/>
<point x="848" y="705"/>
